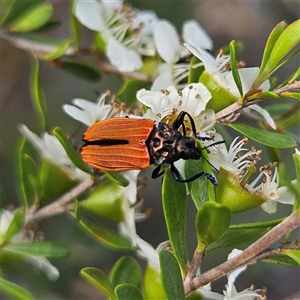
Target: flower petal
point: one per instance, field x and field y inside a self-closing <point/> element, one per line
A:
<point x="167" y="41"/>
<point x="125" y="60"/>
<point x="264" y="113"/>
<point x="195" y="35"/>
<point x="77" y="114"/>
<point x="89" y="13"/>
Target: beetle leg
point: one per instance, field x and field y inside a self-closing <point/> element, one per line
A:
<point x="180" y="122"/>
<point x="177" y="177"/>
<point x="156" y="172"/>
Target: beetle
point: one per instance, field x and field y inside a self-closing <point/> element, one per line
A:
<point x="120" y="144"/>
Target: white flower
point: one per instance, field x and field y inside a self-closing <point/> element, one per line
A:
<point x="231" y="292"/>
<point x="217" y="68"/>
<point x="170" y="49"/>
<point x="129" y="199"/>
<point x="232" y="160"/>
<point x="269" y="187"/>
<point x="195" y="35"/>
<point x="192" y="99"/>
<point x="50" y="148"/>
<point x="26" y="236"/>
<point x="147" y="252"/>
<point x="89" y="113"/>
<point x="126" y="32"/>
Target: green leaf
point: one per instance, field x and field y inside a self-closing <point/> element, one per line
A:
<point x="55" y="180"/>
<point x="32" y="172"/>
<point x="288" y="39"/>
<point x="195" y="70"/>
<point x="105" y="200"/>
<point x="234" y="68"/>
<point x="80" y="69"/>
<point x="195" y="296"/>
<point x="98" y="278"/>
<point x="174" y="206"/>
<point x="14" y="227"/>
<point x="296" y="158"/>
<point x="127" y="93"/>
<point x="14" y="291"/>
<point x="198" y="188"/>
<point x="291" y="95"/>
<point x="17" y="8"/>
<point x="171" y="276"/>
<point x="273" y="37"/>
<point x="29" y="184"/>
<point x="76" y="28"/>
<point x="128" y="292"/>
<point x="153" y="288"/>
<point x="37" y="94"/>
<point x="60" y="48"/>
<point x="234" y="237"/>
<point x="281" y="259"/>
<point x="292" y="253"/>
<point x="32" y="18"/>
<point x="212" y="221"/>
<point x="107" y="236"/>
<point x="221" y="97"/>
<point x="118" y="177"/>
<point x="43" y="248"/>
<point x="71" y="152"/>
<point x="271" y="139"/>
<point x="126" y="270"/>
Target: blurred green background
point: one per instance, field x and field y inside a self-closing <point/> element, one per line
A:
<point x="248" y="21"/>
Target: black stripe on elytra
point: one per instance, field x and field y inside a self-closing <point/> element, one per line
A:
<point x="107" y="142"/>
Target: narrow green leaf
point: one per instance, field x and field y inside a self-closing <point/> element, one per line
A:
<point x="14" y="291"/>
<point x="76" y="28"/>
<point x="274" y="35"/>
<point x="28" y="176"/>
<point x="195" y="70"/>
<point x="296" y="158"/>
<point x="43" y="248"/>
<point x="105" y="200"/>
<point x="15" y="226"/>
<point x="80" y="69"/>
<point x="174" y="206"/>
<point x="107" y="236"/>
<point x="55" y="180"/>
<point x="271" y="139"/>
<point x="198" y="188"/>
<point x="171" y="275"/>
<point x="71" y="152"/>
<point x="292" y="253"/>
<point x="263" y="94"/>
<point x="61" y="46"/>
<point x="152" y="286"/>
<point x="98" y="278"/>
<point x="265" y="224"/>
<point x="127" y="93"/>
<point x="291" y="95"/>
<point x="195" y="296"/>
<point x="126" y="270"/>
<point x="32" y="18"/>
<point x="288" y="39"/>
<point x="32" y="174"/>
<point x="233" y="238"/>
<point x="16" y="8"/>
<point x="281" y="259"/>
<point x="118" y="177"/>
<point x="234" y="68"/>
<point x="37" y="94"/>
<point x="128" y="292"/>
<point x="212" y="221"/>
